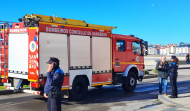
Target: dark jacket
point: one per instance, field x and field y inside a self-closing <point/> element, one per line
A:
<point x="187" y="57"/>
<point x="54" y="81"/>
<point x="162" y="72"/>
<point x="173" y="68"/>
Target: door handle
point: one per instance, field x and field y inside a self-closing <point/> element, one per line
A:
<point x="133" y="59"/>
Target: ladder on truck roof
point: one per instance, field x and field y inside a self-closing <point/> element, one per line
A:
<point x="4" y="26"/>
<point x="59" y="20"/>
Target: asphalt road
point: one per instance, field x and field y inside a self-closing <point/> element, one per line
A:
<point x="108" y="98"/>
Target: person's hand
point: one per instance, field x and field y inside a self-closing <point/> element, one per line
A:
<point x="45" y="95"/>
<point x="50" y="66"/>
<point x="160" y="66"/>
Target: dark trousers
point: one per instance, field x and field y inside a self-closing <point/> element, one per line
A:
<point x="173" y="82"/>
<point x="187" y="61"/>
<point x="54" y="104"/>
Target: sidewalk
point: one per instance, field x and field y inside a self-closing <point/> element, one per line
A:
<point x="181" y="103"/>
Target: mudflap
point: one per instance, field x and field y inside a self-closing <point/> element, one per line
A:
<point x="140" y="78"/>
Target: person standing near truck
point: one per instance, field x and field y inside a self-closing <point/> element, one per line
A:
<point x="187" y="58"/>
<point x="173" y="76"/>
<point x="162" y="74"/>
<point x="52" y="89"/>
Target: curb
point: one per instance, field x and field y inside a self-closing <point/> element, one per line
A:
<point x="184" y="68"/>
<point x="5" y="92"/>
<point x="165" y="100"/>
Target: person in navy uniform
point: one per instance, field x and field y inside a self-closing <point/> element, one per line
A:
<point x="187" y="58"/>
<point x="173" y="76"/>
<point x="52" y="89"/>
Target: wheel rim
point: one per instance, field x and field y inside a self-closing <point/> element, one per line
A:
<point x="132" y="81"/>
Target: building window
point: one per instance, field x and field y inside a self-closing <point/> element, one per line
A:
<point x="120" y="45"/>
<point x="137" y="48"/>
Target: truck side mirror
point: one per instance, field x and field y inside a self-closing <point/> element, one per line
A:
<point x="145" y="43"/>
<point x="146" y="47"/>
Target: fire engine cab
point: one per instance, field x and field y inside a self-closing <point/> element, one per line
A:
<point x="90" y="55"/>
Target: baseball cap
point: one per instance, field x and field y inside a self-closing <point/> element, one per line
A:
<point x="173" y="57"/>
<point x="52" y="59"/>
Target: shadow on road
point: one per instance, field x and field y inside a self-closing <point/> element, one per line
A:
<point x="110" y="94"/>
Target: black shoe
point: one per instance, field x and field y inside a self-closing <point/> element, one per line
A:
<point x="172" y="97"/>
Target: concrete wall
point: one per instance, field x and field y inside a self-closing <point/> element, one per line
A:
<point x="150" y="61"/>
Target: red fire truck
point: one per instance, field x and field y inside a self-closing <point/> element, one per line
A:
<point x="90" y="55"/>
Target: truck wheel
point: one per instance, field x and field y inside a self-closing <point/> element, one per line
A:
<point x="79" y="89"/>
<point x="129" y="82"/>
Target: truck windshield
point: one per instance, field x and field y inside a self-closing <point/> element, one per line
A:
<point x="137" y="48"/>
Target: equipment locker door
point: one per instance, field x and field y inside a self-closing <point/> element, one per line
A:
<point x="53" y="45"/>
<point x="18" y="55"/>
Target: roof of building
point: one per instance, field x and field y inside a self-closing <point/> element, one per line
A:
<point x="184" y="46"/>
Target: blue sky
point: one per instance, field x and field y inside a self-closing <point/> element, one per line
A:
<point x="157" y="21"/>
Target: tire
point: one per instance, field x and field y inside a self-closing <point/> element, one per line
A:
<point x="79" y="89"/>
<point x="129" y="82"/>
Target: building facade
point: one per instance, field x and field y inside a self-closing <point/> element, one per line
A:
<point x="170" y="49"/>
<point x="183" y="50"/>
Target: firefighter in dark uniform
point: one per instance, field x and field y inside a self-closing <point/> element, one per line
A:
<point x="52" y="89"/>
